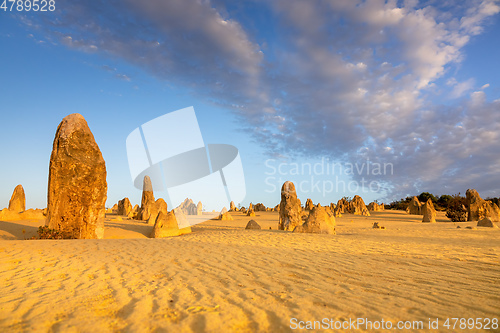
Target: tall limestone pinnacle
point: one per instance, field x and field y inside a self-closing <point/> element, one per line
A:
<point x="148" y="199"/>
<point x="290" y="208"/>
<point x="17" y="202"/>
<point x="77" y="188"/>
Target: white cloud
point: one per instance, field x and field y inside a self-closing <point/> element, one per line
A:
<point x="460" y="88"/>
<point x="329" y="81"/>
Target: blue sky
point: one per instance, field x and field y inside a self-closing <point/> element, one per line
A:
<point x="299" y="83"/>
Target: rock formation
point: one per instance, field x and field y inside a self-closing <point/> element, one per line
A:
<point x="309" y="205"/>
<point x="252" y="225"/>
<point x="357" y="206"/>
<point x="477" y="208"/>
<point x="319" y="221"/>
<point x="290" y="211"/>
<point x="199" y="208"/>
<point x="277" y="208"/>
<point x="486" y="222"/>
<point x="188" y="207"/>
<point x="135" y="211"/>
<point x="17" y="202"/>
<point x="259" y="207"/>
<point x="414" y="207"/>
<point x="375" y="207"/>
<point x="250" y="207"/>
<point x="342" y="206"/>
<point x="159" y="206"/>
<point x="114" y="209"/>
<point x="166" y="225"/>
<point x="225" y="216"/>
<point x="250" y="212"/>
<point x="77" y="188"/>
<point x="232" y="207"/>
<point x="429" y="212"/>
<point x="124" y="207"/>
<point x="147" y="201"/>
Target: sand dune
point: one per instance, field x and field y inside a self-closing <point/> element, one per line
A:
<point x="224" y="278"/>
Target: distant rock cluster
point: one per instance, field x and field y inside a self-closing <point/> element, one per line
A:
<point x="77" y="192"/>
<point x="375" y="207"/>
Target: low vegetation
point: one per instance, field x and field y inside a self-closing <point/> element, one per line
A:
<point x="47" y="233"/>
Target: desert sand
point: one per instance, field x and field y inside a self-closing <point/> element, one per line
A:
<point x="223" y="278"/>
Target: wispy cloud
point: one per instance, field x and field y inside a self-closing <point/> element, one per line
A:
<point x="460" y="88"/>
<point x="347" y="79"/>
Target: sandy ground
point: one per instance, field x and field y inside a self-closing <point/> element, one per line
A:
<point x="222" y="278"/>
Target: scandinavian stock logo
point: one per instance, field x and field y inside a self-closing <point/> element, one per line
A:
<point x="170" y="150"/>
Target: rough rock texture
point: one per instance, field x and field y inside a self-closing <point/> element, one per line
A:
<point x="166" y="225"/>
<point x="225" y="217"/>
<point x="429" y="212"/>
<point x="375" y="207"/>
<point x="124" y="207"/>
<point x="477" y="208"/>
<point x="77" y="187"/>
<point x="357" y="206"/>
<point x="309" y="205"/>
<point x="232" y="207"/>
<point x="17" y="202"/>
<point x="199" y="208"/>
<point x="290" y="211"/>
<point x="188" y="207"/>
<point x="336" y="210"/>
<point x="250" y="206"/>
<point x="319" y="221"/>
<point x="415" y="207"/>
<point x="224" y="210"/>
<point x="250" y="212"/>
<point x="252" y="225"/>
<point x="486" y="222"/>
<point x="135" y="211"/>
<point x="342" y="206"/>
<point x="259" y="207"/>
<point x="147" y="200"/>
<point x="277" y="208"/>
<point x="159" y="206"/>
<point x="114" y="209"/>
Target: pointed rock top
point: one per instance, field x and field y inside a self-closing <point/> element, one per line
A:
<point x="17" y="202"/>
<point x="147" y="186"/>
<point x="71" y="123"/>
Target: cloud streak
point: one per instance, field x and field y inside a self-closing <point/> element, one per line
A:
<point x="348" y="79"/>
